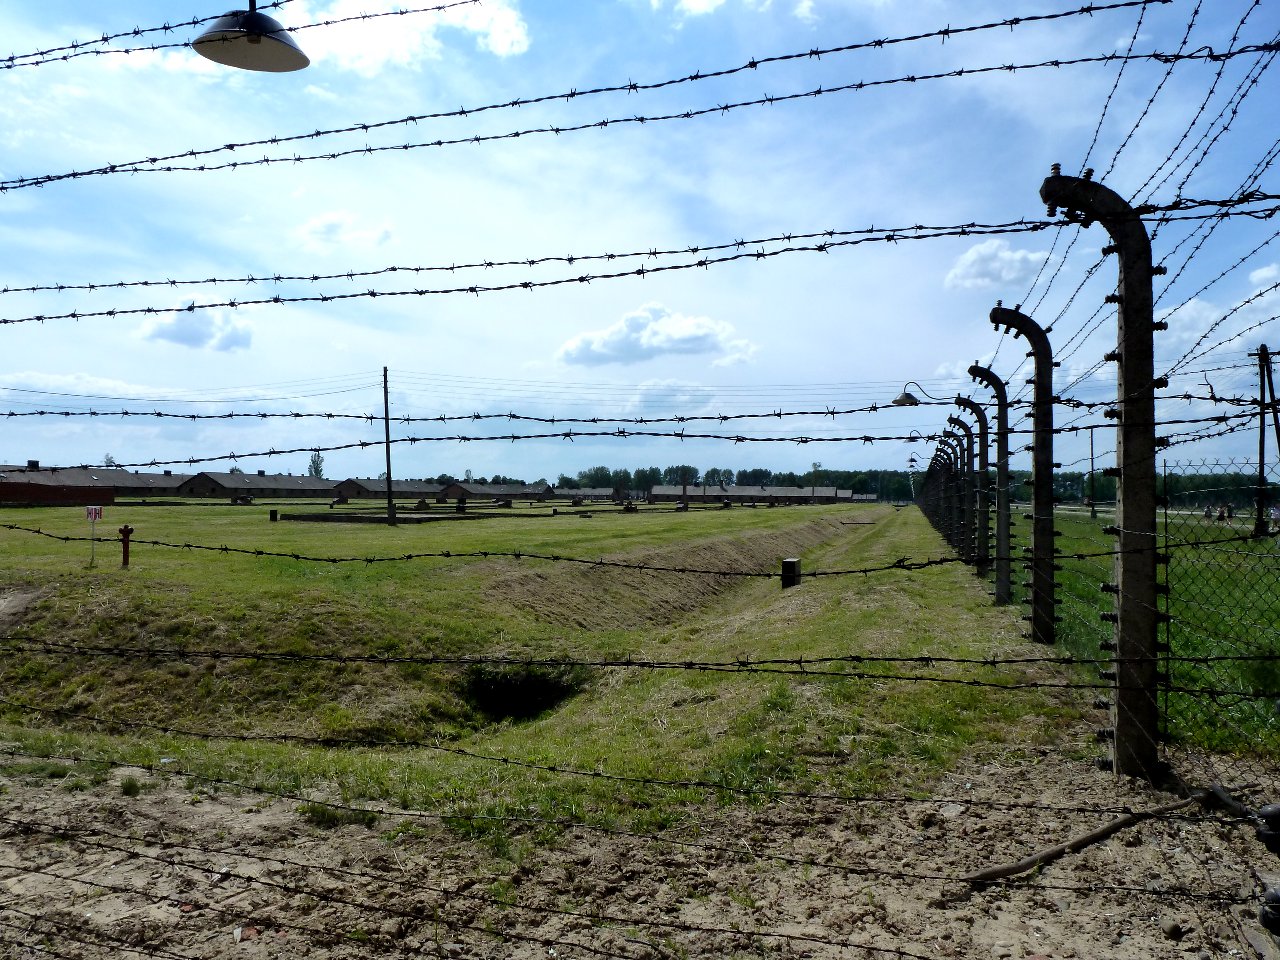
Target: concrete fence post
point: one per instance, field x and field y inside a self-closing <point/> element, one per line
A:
<point x="1043" y="581"/>
<point x="969" y="509"/>
<point x="1135" y="712"/>
<point x="984" y="375"/>
<point x="982" y="491"/>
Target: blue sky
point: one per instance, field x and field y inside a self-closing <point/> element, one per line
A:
<point x="797" y="331"/>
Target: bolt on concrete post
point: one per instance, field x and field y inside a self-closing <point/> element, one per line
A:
<point x="1002" y="564"/>
<point x="1043" y="618"/>
<point x="970" y="490"/>
<point x="982" y="531"/>
<point x="1135" y="713"/>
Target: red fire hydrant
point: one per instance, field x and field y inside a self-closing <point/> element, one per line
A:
<point x="125" y="532"/>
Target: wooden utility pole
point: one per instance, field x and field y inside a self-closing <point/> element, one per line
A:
<point x="386" y="429"/>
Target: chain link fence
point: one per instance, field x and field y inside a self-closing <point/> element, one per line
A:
<point x="1222" y="634"/>
<point x="1219" y="675"/>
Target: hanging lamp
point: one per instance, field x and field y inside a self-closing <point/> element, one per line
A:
<point x="250" y="40"/>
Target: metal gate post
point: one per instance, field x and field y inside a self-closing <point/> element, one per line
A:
<point x="1043" y="551"/>
<point x="1135" y="713"/>
<point x="982" y="529"/>
<point x="984" y="375"/>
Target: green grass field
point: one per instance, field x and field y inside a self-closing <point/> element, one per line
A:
<point x="749" y="731"/>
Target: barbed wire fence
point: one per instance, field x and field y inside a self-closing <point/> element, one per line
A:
<point x="1211" y="668"/>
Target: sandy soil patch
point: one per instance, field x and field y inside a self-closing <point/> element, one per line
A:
<point x="181" y="871"/>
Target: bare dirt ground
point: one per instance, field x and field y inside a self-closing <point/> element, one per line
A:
<point x="179" y="871"/>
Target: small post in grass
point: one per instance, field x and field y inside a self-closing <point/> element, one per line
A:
<point x="93" y="515"/>
<point x="125" y="532"/>
<point x="790" y="573"/>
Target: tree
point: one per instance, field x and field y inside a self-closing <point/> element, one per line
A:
<point x="595" y="477"/>
<point x="566" y="482"/>
<point x="679" y="475"/>
<point x="235" y="470"/>
<point x="646" y="478"/>
<point x="718" y="475"/>
<point x="620" y="479"/>
<point x="757" y="477"/>
<point x="315" y="467"/>
<point x="109" y="461"/>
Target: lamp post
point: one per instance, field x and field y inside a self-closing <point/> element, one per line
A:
<point x="250" y="40"/>
<point x="908" y="399"/>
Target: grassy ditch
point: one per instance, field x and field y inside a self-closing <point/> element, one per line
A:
<point x="333" y="730"/>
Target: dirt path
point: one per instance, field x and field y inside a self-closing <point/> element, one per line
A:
<point x="176" y="871"/>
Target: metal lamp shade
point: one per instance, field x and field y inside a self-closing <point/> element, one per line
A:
<point x="251" y="41"/>
<point x="906" y="399"/>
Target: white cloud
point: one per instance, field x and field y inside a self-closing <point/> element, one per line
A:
<point x="199" y="330"/>
<point x="803" y="10"/>
<point x="83" y="384"/>
<point x="660" y="397"/>
<point x="654" y="331"/>
<point x="1265" y="276"/>
<point x="693" y="8"/>
<point x="365" y="47"/>
<point x="321" y="93"/>
<point x="992" y="264"/>
<point x="338" y="231"/>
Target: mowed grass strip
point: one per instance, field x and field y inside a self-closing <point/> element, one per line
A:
<point x="742" y="732"/>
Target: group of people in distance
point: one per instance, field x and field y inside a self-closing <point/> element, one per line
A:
<point x="1227" y="513"/>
